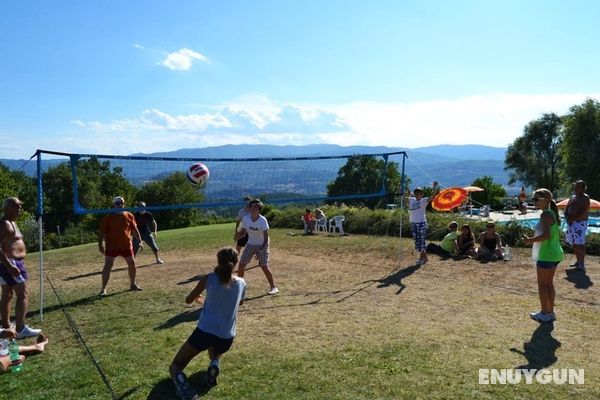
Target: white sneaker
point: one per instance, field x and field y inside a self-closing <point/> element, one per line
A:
<point x="273" y="291"/>
<point x="159" y="261"/>
<point x="28" y="332"/>
<point x="541" y="317"/>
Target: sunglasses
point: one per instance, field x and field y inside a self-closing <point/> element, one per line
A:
<point x="119" y="203"/>
<point x="490" y="226"/>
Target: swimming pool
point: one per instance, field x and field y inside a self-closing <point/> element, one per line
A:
<point x="593" y="224"/>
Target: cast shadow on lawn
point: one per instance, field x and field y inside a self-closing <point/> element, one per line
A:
<point x="186" y="316"/>
<point x="540" y="351"/>
<point x="396" y="277"/>
<point x="580" y="279"/>
<point x="80" y="302"/>
<point x="164" y="389"/>
<point x="99" y="272"/>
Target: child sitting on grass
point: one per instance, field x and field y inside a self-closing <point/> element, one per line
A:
<point x="448" y="246"/>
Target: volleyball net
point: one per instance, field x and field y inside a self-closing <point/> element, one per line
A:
<point x="162" y="182"/>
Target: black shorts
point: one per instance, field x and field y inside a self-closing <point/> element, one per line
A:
<point x="201" y="341"/>
<point x="242" y="241"/>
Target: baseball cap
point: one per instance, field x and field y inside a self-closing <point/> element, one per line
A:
<point x="118" y="199"/>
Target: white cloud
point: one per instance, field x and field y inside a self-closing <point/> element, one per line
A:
<point x="182" y="59"/>
<point x="494" y="120"/>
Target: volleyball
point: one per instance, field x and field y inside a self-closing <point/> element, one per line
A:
<point x="198" y="174"/>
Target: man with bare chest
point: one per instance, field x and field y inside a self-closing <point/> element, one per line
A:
<point x="577" y="214"/>
<point x="13" y="275"/>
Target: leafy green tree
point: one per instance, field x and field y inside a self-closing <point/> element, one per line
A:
<point x="174" y="189"/>
<point x="535" y="157"/>
<point x="8" y="185"/>
<point x="363" y="174"/>
<point x="492" y="193"/>
<point x="17" y="183"/>
<point x="98" y="183"/>
<point x="581" y="145"/>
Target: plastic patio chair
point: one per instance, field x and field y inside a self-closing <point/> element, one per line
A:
<point x="484" y="212"/>
<point x="321" y="224"/>
<point x="337" y="223"/>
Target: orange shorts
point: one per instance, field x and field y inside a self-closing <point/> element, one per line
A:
<point x="117" y="253"/>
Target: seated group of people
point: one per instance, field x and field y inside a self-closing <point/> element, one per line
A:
<point x="310" y="220"/>
<point x="488" y="245"/>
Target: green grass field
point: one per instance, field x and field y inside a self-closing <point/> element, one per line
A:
<point x="355" y="319"/>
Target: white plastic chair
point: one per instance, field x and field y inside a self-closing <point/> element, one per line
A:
<point x="321" y="225"/>
<point x="337" y="223"/>
<point x="485" y="211"/>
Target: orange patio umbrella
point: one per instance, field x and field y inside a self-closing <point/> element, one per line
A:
<point x="449" y="199"/>
<point x="594" y="204"/>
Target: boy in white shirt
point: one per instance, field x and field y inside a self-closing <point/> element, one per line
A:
<point x="257" y="228"/>
<point x="418" y="221"/>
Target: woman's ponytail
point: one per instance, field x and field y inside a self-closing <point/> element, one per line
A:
<point x="227" y="258"/>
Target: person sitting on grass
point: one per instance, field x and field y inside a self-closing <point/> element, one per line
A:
<point x="448" y="247"/>
<point x="309" y="222"/>
<point x="490" y="244"/>
<point x="37" y="348"/>
<point x="466" y="242"/>
<point x="216" y="328"/>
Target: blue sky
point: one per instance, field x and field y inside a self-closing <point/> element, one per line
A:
<point x="143" y="76"/>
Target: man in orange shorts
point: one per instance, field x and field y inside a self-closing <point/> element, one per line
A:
<point x="116" y="230"/>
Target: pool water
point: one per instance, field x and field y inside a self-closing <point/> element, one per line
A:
<point x="593" y="224"/>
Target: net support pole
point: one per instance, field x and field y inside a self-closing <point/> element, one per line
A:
<point x="40" y="209"/>
<point x="402" y="185"/>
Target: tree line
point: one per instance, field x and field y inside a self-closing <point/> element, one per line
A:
<point x="554" y="151"/>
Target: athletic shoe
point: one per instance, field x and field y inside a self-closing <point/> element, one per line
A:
<point x="273" y="291"/>
<point x="418" y="263"/>
<point x="28" y="332"/>
<point x="103" y="293"/>
<point x="211" y="375"/>
<point x="574" y="265"/>
<point x="159" y="261"/>
<point x="580" y="267"/>
<point x="183" y="389"/>
<point x="135" y="286"/>
<point x="541" y="317"/>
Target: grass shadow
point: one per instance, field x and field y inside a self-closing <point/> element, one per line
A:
<point x="580" y="279"/>
<point x="396" y="277"/>
<point x="99" y="272"/>
<point x="165" y="390"/>
<point x="540" y="351"/>
<point x="186" y="316"/>
<point x="76" y="303"/>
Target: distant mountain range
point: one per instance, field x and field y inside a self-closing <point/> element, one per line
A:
<point x="450" y="165"/>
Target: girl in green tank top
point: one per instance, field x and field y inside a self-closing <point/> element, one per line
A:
<point x="547" y="236"/>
